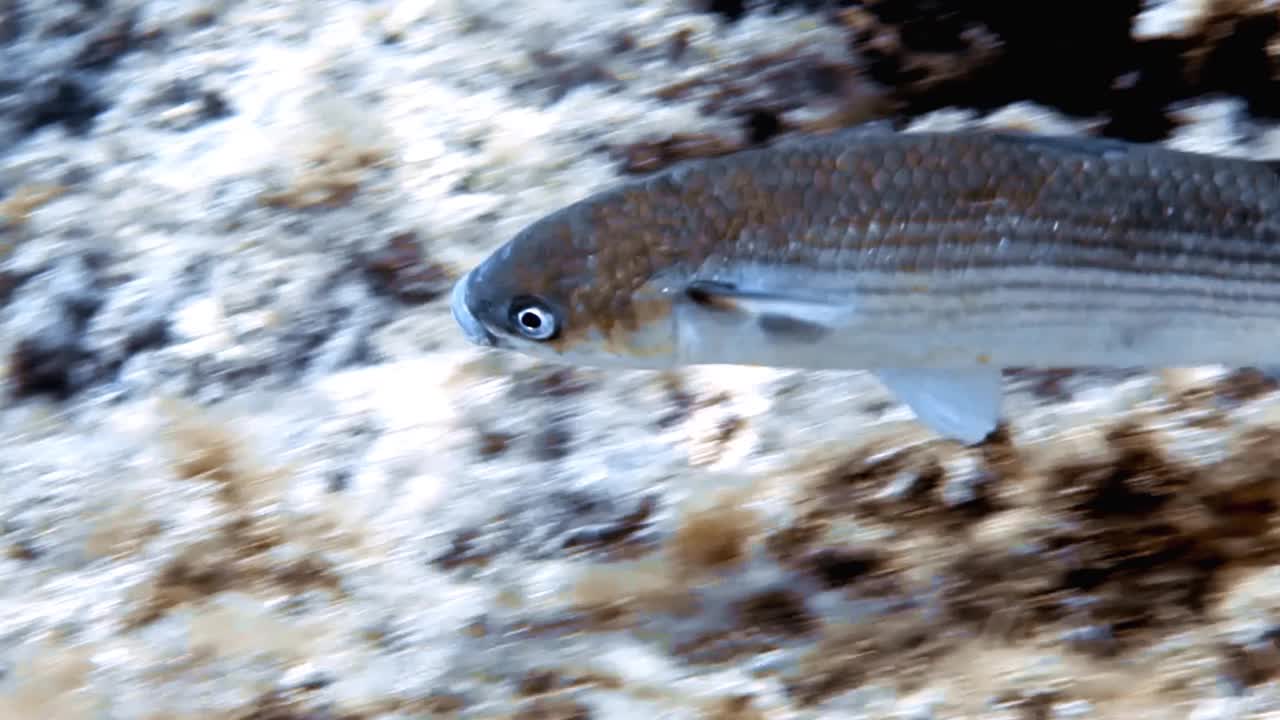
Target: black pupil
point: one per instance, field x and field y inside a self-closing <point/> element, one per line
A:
<point x="531" y="319"/>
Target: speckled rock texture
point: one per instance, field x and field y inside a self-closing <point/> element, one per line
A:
<point x="251" y="468"/>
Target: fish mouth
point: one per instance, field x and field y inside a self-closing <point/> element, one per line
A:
<point x="472" y="328"/>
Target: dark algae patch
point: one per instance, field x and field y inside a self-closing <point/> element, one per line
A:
<point x="905" y="58"/>
<point x="1096" y="554"/>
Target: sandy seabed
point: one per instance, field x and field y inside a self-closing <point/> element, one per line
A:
<point x="251" y="469"/>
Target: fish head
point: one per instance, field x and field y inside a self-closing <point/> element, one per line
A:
<point x="591" y="284"/>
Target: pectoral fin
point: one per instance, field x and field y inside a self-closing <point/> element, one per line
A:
<point x="785" y="316"/>
<point x="964" y="404"/>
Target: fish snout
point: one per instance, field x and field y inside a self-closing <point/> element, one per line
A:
<point x="472" y="328"/>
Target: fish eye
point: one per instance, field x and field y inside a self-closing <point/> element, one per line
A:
<point x="533" y="319"/>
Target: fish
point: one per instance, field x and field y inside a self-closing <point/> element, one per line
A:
<point x="934" y="260"/>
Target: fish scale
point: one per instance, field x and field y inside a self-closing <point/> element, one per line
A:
<point x="933" y="259"/>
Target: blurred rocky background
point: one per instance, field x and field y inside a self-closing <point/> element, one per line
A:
<point x="251" y="470"/>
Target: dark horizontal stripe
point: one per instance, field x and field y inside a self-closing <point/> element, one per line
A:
<point x="1228" y="290"/>
<point x="1067" y="238"/>
<point x="1083" y="289"/>
<point x="1120" y="268"/>
<point x="1081" y="315"/>
<point x="969" y="239"/>
<point x="1064" y="254"/>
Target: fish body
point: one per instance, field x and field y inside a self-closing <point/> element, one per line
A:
<point x="934" y="260"/>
